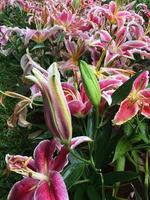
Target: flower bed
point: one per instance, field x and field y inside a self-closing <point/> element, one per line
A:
<point x="76" y="99"/>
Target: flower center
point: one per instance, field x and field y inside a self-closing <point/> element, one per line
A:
<point x="134" y="96"/>
<point x="21" y="165"/>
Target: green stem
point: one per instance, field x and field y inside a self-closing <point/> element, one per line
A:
<point x="120" y="165"/>
<point x="88" y="162"/>
<point x="82" y="181"/>
<point x="146" y="181"/>
<point x="103" y="185"/>
<point x="99" y="63"/>
<point x="96" y="109"/>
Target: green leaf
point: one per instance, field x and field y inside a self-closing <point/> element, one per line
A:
<point x="89" y="131"/>
<point x="122" y="92"/>
<point x="76" y="4"/>
<point x="92" y="193"/>
<point x="80" y="193"/>
<point x="102" y="147"/>
<point x="128" y="128"/>
<point x="38" y="46"/>
<point x="137" y="196"/>
<point x="122" y="147"/>
<point x="114" y="177"/>
<point x="142" y="146"/>
<point x="72" y="173"/>
<point x="105" y="146"/>
<point x="144" y="132"/>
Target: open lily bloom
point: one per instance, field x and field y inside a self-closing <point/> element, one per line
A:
<point x="119" y="47"/>
<point x="73" y="54"/>
<point x="137" y="100"/>
<point x="42" y="179"/>
<point x="78" y="102"/>
<point x="40" y="35"/>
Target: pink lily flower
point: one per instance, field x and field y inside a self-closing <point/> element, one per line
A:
<point x="73" y="54"/>
<point x="109" y="85"/>
<point x="2" y="5"/>
<point x="78" y="102"/>
<point x="56" y="110"/>
<point x="115" y="16"/>
<point x="69" y="21"/>
<point x="111" y="13"/>
<point x="119" y="47"/>
<point x="5" y="33"/>
<point x="137" y="100"/>
<point x="41" y="175"/>
<point x="39" y="36"/>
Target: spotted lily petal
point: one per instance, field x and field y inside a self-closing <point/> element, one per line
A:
<point x="141" y="81"/>
<point x="127" y="111"/>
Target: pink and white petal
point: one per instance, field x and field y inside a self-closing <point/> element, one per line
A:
<point x="23" y="190"/>
<point x="141" y="81"/>
<point x="133" y="44"/>
<point x="124" y="14"/>
<point x="43" y="155"/>
<point x="109" y="83"/>
<point x="146" y="111"/>
<point x="78" y="140"/>
<point x="145" y="93"/>
<point x="105" y="36"/>
<point x="128" y="54"/>
<point x="110" y="56"/>
<point x="126" y="112"/>
<point x="70" y="46"/>
<point x="144" y="54"/>
<point x="121" y="35"/>
<point x="107" y="96"/>
<point x="61" y="160"/>
<point x="87" y="108"/>
<point x="75" y="107"/>
<point x="112" y="7"/>
<point x="55" y="190"/>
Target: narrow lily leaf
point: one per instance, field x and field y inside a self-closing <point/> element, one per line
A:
<point x="38" y="46"/>
<point x="124" y="90"/>
<point x="142" y="146"/>
<point x="105" y="145"/>
<point x="144" y="132"/>
<point x="72" y="173"/>
<point x="137" y="196"/>
<point x="92" y="192"/>
<point x="90" y="83"/>
<point x="122" y="176"/>
<point x="122" y="147"/>
<point x="80" y="193"/>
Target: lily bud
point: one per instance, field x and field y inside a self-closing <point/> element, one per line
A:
<point x="90" y="83"/>
<point x="76" y="4"/>
<point x="56" y="110"/>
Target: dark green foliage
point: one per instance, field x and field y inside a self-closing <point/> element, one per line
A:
<point x="11" y="141"/>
